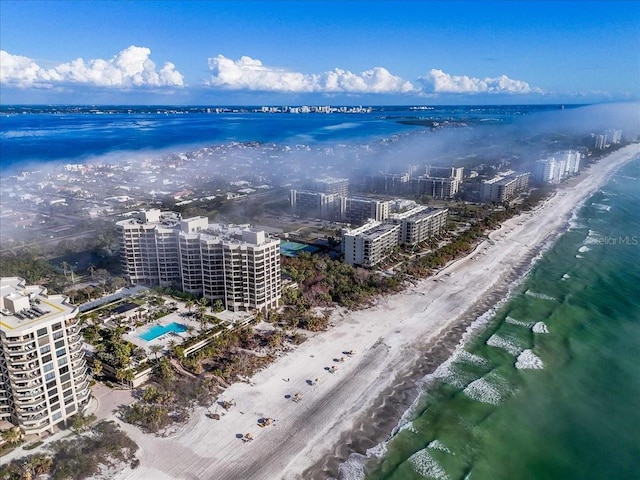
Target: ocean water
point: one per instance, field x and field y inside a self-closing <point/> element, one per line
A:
<point x="31" y="134"/>
<point x="551" y="389"/>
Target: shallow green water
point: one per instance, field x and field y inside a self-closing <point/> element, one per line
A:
<point x="577" y="416"/>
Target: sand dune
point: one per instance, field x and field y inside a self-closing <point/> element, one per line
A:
<point x="391" y="338"/>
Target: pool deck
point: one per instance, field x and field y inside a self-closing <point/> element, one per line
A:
<point x="164" y="339"/>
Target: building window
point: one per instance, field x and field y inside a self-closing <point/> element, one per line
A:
<point x="45" y="349"/>
<point x="42" y="332"/>
<point x="56" y="416"/>
<point x="49" y="376"/>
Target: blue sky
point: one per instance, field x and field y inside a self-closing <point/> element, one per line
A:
<point x="319" y="52"/>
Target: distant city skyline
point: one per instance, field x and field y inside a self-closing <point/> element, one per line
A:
<point x="319" y="52"/>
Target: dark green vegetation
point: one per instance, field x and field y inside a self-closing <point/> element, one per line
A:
<point x="324" y="282"/>
<point x="103" y="445"/>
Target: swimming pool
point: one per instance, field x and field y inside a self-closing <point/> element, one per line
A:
<point x="159" y="330"/>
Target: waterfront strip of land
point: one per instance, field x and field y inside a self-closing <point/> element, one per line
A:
<point x="320" y="395"/>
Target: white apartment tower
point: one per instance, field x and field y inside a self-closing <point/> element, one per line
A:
<point x="234" y="264"/>
<point x="43" y="374"/>
<point x="419" y="224"/>
<point x="369" y="244"/>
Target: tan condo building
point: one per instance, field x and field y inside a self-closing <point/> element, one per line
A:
<point x="235" y="264"/>
<point x="43" y="373"/>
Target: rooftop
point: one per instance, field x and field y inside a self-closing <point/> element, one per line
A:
<point x="24" y="307"/>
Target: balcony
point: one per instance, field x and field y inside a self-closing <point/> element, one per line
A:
<point x="36" y="420"/>
<point x="83" y="388"/>
<point x="19" y="342"/>
<point x="22" y="359"/>
<point x="81" y="376"/>
<point x="83" y="392"/>
<point x="22" y="367"/>
<point x="22" y="377"/>
<point x="33" y="407"/>
<point x="32" y="401"/>
<point x="72" y="322"/>
<point x="75" y="348"/>
<point x="31" y="393"/>
<point x="25" y="387"/>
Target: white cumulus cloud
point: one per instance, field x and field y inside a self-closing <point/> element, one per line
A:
<point x="130" y="68"/>
<point x="248" y="73"/>
<point x="438" y="81"/>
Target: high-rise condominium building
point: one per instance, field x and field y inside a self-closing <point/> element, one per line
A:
<point x="369" y="244"/>
<point x="235" y="264"/>
<point x="328" y="206"/>
<point x="359" y="210"/>
<point x="420" y="223"/>
<point x="43" y="374"/>
<point x="374" y="241"/>
<point x="331" y="185"/>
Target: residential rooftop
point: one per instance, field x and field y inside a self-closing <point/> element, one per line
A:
<point x="24" y="307"/>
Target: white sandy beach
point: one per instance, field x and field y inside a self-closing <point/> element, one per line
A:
<point x="386" y="339"/>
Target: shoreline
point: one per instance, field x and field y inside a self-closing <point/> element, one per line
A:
<point x="361" y="403"/>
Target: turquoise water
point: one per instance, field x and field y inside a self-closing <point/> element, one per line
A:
<point x="159" y="330"/>
<point x="551" y="390"/>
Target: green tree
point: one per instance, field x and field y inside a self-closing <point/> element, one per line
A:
<point x="97" y="368"/>
<point x="155" y="350"/>
<point x="12" y="435"/>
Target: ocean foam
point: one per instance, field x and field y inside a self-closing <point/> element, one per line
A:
<point x="427" y="466"/>
<point x="529" y="361"/>
<point x="408" y="427"/>
<point x="513" y="321"/>
<point x="379" y="450"/>
<point x="601" y="207"/>
<point x="438" y="445"/>
<point x="448" y="374"/>
<point x="465" y="356"/>
<point x="541" y="296"/>
<point x="483" y="391"/>
<point x="593" y="237"/>
<point x="540" y="327"/>
<point x="352" y="468"/>
<point x="574" y="224"/>
<point x="505" y="343"/>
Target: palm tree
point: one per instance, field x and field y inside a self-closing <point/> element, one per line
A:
<point x="13" y="435"/>
<point x="125" y="375"/>
<point x="41" y="464"/>
<point x="97" y="368"/>
<point x="189" y="304"/>
<point x="155" y="350"/>
<point x="201" y="317"/>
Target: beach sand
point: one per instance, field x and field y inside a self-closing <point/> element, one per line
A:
<point x="396" y="341"/>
